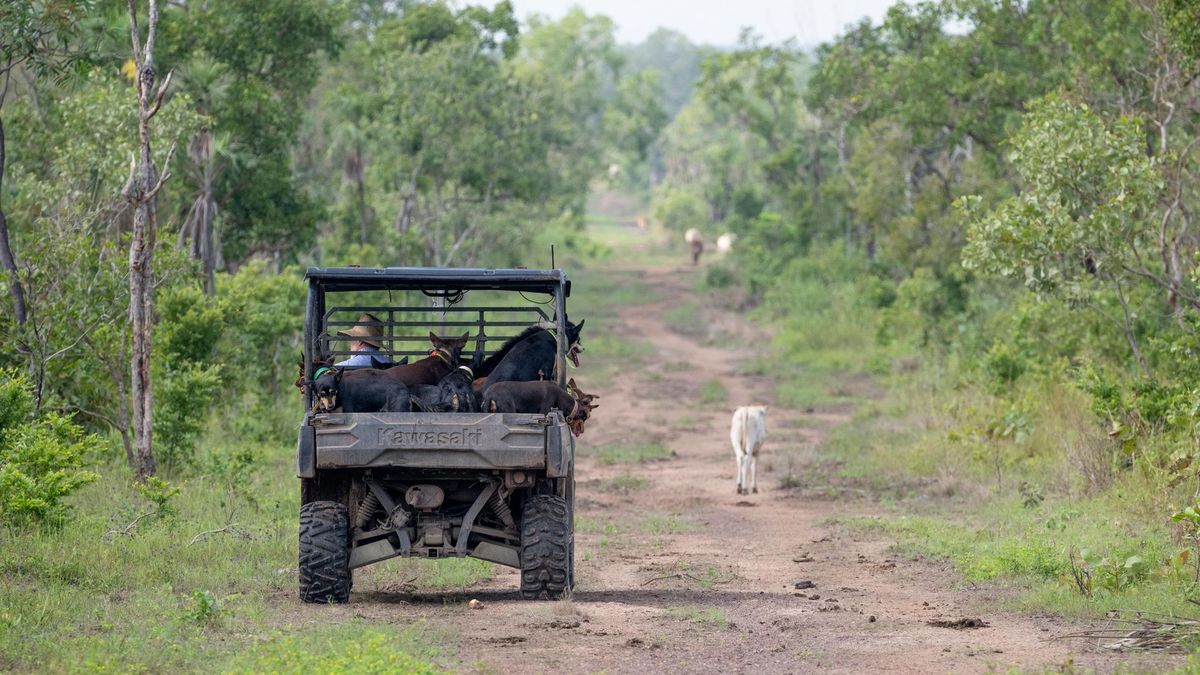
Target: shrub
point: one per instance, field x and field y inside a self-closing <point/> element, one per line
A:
<point x="1004" y="365"/>
<point x="41" y="458"/>
<point x="182" y="398"/>
<point x="719" y="276"/>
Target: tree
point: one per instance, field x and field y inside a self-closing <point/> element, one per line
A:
<point x="675" y="58"/>
<point x="142" y="192"/>
<point x="260" y="59"/>
<point x="37" y="37"/>
<point x="1081" y="219"/>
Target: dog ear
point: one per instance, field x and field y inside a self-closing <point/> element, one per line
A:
<point x="337" y="374"/>
<point x="437" y="341"/>
<point x="579" y="326"/>
<point x="462" y="341"/>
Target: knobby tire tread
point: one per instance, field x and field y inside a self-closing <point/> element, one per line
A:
<point x="546" y="543"/>
<point x="324" y="552"/>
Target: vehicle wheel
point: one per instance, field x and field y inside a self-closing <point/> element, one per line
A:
<point x="571" y="555"/>
<point x="324" y="552"/>
<point x="546" y="547"/>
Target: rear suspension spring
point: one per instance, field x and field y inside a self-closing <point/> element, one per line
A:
<point x="500" y="507"/>
<point x="370" y="505"/>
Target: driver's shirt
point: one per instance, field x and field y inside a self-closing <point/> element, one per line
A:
<point x="363" y="358"/>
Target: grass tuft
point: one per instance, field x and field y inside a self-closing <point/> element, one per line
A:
<point x="628" y="454"/>
<point x="713" y="617"/>
<point x="625" y="483"/>
<point x="712" y="392"/>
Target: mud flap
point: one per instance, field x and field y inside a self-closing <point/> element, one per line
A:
<point x="306" y="452"/>
<point x="560" y="450"/>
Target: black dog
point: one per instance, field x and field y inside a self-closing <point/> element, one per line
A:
<point x="372" y="391"/>
<point x="541" y="397"/>
<point x="530" y="356"/>
<point x="452" y="394"/>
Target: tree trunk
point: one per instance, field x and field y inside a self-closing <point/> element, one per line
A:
<point x="7" y="261"/>
<point x="361" y="180"/>
<point x="142" y="192"/>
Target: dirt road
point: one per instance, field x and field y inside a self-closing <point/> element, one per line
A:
<point x="677" y="573"/>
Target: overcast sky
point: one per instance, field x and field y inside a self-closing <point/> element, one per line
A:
<point x="717" y="22"/>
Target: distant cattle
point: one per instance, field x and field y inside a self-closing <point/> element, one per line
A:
<point x="725" y="243"/>
<point x="695" y="242"/>
<point x="748" y="432"/>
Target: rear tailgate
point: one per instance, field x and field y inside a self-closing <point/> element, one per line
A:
<point x="443" y="441"/>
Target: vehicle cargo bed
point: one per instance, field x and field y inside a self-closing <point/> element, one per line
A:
<point x="442" y="441"/>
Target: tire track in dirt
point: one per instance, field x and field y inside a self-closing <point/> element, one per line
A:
<point x="684" y="575"/>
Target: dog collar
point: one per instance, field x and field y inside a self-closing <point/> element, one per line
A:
<point x="470" y="373"/>
<point x="442" y="355"/>
<point x="321" y="371"/>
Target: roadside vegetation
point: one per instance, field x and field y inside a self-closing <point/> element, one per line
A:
<point x="991" y="253"/>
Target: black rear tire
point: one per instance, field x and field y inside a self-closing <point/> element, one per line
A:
<point x="324" y="552"/>
<point x="547" y="544"/>
<point x="571" y="557"/>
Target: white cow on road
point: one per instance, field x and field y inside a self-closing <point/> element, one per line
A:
<point x="725" y="243"/>
<point x="748" y="432"/>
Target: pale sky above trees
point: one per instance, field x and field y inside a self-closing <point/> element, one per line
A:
<point x="718" y="22"/>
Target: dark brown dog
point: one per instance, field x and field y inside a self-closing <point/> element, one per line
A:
<point x="541" y="397"/>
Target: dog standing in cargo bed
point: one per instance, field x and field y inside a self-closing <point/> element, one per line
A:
<point x="541" y="397"/>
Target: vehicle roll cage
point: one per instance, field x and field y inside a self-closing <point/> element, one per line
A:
<point x="447" y="320"/>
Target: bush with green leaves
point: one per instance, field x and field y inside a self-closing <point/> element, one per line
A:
<point x="41" y="458"/>
<point x="182" y="400"/>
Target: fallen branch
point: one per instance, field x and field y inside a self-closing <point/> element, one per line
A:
<point x="686" y="575"/>
<point x="127" y="531"/>
<point x="1150" y="635"/>
<point x="229" y="529"/>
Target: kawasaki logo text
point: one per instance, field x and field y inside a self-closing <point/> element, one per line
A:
<point x="465" y="438"/>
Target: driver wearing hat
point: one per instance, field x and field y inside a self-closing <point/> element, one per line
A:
<point x="367" y="342"/>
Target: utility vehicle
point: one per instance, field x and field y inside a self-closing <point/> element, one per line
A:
<point x="374" y="486"/>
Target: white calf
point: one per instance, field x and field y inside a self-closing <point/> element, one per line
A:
<point x="725" y="243"/>
<point x="748" y="432"/>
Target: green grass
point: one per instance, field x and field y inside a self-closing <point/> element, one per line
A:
<point x="624" y="483"/>
<point x="625" y="351"/>
<point x="90" y="597"/>
<point x="712" y="392"/>
<point x="687" y="319"/>
<point x="1031" y="549"/>
<point x="685" y="423"/>
<point x="708" y="617"/>
<point x="401" y="574"/>
<point x="621" y="453"/>
<point x="358" y="647"/>
<point x="668" y="524"/>
<point x="599" y="526"/>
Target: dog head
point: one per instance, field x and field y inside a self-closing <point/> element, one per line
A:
<point x="457" y="386"/>
<point x="301" y="382"/>
<point x="327" y="386"/>
<point x="449" y="348"/>
<point x="582" y="409"/>
<point x="574" y="342"/>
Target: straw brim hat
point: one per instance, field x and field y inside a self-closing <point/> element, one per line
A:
<point x="369" y="330"/>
